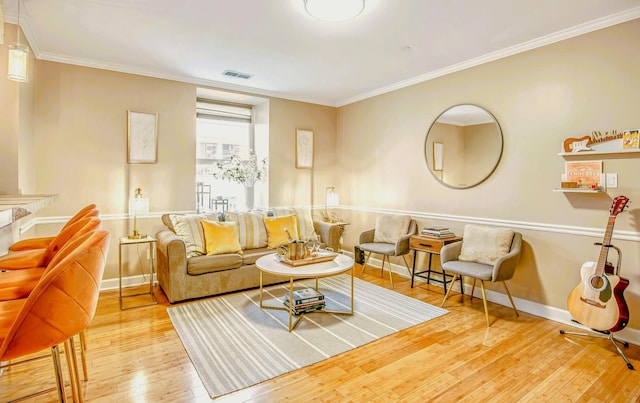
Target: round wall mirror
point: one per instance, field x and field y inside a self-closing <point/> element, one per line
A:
<point x="463" y="146"/>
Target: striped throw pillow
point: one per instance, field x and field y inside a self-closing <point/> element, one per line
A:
<point x="251" y="229"/>
<point x="189" y="229"/>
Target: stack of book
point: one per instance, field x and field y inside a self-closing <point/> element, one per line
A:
<point x="305" y="300"/>
<point x="437" y="232"/>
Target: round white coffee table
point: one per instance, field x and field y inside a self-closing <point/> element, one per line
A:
<point x="271" y="265"/>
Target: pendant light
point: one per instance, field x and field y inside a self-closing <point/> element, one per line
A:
<point x="18" y="57"/>
<point x="1" y="22"/>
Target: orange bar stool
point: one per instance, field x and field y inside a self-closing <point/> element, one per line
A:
<point x="42" y="242"/>
<point x="28" y="259"/>
<point x="61" y="305"/>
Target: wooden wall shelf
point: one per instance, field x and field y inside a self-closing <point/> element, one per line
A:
<point x="583" y="153"/>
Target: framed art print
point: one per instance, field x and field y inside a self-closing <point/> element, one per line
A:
<point x="438" y="156"/>
<point x="304" y="149"/>
<point x="142" y="138"/>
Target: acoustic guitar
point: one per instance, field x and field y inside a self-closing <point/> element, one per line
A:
<point x="598" y="301"/>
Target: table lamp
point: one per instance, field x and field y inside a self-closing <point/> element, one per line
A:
<point x="332" y="199"/>
<point x="137" y="205"/>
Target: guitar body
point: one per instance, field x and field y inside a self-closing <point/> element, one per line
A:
<point x="598" y="301"/>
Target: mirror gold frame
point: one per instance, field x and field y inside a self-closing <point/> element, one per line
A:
<point x="463" y="146"/>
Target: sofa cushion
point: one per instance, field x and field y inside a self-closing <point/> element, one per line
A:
<point x="277" y="228"/>
<point x="391" y="227"/>
<point x="209" y="264"/>
<point x="482" y="244"/>
<point x="188" y="228"/>
<point x="306" y="230"/>
<point x="251" y="255"/>
<point x="221" y="237"/>
<point x="251" y="230"/>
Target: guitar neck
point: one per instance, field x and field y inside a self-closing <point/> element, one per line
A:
<point x="604" y="251"/>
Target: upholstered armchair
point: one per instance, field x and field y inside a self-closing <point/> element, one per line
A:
<point x="390" y="237"/>
<point x="485" y="254"/>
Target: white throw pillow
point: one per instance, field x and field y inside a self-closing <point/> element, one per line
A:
<point x="484" y="244"/>
<point x="391" y="227"/>
<point x="189" y="229"/>
<point x="251" y="229"/>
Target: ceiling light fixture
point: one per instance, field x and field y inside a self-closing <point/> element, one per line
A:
<point x="334" y="10"/>
<point x="18" y="57"/>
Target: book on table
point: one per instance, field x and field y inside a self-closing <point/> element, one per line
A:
<point x="305" y="295"/>
<point x="437" y="232"/>
<point x="305" y="300"/>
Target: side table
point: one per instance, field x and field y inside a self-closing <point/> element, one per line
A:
<point x="126" y="241"/>
<point x="432" y="246"/>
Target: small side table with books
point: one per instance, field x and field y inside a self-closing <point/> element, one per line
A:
<point x="428" y="243"/>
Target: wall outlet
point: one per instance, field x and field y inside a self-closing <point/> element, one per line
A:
<point x="612" y="181"/>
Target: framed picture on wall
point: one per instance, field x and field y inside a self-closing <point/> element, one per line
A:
<point x="438" y="156"/>
<point x="142" y="138"/>
<point x="304" y="149"/>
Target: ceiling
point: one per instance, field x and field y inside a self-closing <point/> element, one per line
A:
<point x="392" y="44"/>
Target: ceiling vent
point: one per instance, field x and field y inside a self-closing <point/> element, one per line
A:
<point x="237" y="74"/>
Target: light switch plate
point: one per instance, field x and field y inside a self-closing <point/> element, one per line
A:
<point x="612" y="181"/>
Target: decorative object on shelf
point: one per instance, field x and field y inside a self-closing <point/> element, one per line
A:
<point x="138" y="205"/>
<point x="334" y="10"/>
<point x="630" y="140"/>
<point x="587" y="174"/>
<point x="601" y="142"/>
<point x="569" y="185"/>
<point x="142" y="138"/>
<point x="18" y="57"/>
<point x="304" y="149"/>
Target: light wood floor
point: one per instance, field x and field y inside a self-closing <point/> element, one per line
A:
<point x="136" y="356"/>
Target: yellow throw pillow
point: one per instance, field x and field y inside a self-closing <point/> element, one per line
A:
<point x="221" y="237"/>
<point x="276" y="234"/>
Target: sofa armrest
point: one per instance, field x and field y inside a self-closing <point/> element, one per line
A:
<point x="329" y="233"/>
<point x="171" y="263"/>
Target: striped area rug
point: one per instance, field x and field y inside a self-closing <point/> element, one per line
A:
<point x="234" y="344"/>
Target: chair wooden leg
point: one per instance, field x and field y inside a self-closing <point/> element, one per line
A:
<point x="484" y="302"/>
<point x="73" y="370"/>
<point x="473" y="288"/>
<point x="404" y="257"/>
<point x="366" y="260"/>
<point x="83" y="354"/>
<point x="446" y="295"/>
<point x="390" y="273"/>
<point x="510" y="299"/>
<point x="57" y="367"/>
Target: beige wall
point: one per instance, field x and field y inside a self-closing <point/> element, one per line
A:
<point x="16" y="124"/>
<point x="288" y="185"/>
<point x="539" y="98"/>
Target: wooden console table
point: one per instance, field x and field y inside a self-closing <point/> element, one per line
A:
<point x="432" y="246"/>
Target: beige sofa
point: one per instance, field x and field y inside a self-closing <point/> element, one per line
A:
<point x="182" y="277"/>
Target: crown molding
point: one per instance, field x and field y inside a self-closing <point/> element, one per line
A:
<point x="572" y="32"/>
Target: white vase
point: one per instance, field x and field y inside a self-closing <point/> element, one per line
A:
<point x="249" y="197"/>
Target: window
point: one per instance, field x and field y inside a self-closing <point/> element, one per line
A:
<point x="223" y="130"/>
